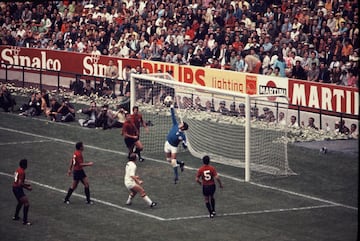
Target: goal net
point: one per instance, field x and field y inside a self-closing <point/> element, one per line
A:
<point x="232" y="128"/>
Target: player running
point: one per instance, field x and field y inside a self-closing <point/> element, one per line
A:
<point x="76" y="167"/>
<point x="133" y="182"/>
<point x="205" y="176"/>
<point x="131" y="136"/>
<point x="139" y="122"/>
<point x="174" y="137"/>
<point x="18" y="185"/>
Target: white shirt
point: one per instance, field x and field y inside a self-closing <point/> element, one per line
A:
<point x="130" y="171"/>
<point x="295" y="125"/>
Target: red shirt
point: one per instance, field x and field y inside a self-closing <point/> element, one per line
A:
<point x="129" y="128"/>
<point x="77" y="160"/>
<point x="207" y="174"/>
<point x="137" y="120"/>
<point x="19" y="177"/>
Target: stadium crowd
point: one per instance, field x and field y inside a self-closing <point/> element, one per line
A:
<point x="310" y="40"/>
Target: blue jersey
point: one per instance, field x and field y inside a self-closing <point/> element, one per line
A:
<point x="175" y="135"/>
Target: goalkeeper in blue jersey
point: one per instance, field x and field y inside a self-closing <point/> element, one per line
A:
<point x="175" y="136"/>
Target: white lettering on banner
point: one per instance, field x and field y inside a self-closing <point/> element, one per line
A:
<point x="13" y="58"/>
<point x="348" y="102"/>
<point x="313" y="97"/>
<point x="268" y="90"/>
<point x="298" y="95"/>
<point x="339" y="94"/>
<point x="326" y="98"/>
<point x="91" y="66"/>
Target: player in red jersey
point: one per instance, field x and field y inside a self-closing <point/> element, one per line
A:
<point x="76" y="167"/>
<point x="131" y="136"/>
<point x="18" y="185"/>
<point x="206" y="176"/>
<point x="139" y="122"/>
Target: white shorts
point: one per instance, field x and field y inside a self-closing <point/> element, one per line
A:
<point x="169" y="148"/>
<point x="130" y="185"/>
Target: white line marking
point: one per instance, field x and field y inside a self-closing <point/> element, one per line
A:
<point x="255" y="212"/>
<point x="94" y="199"/>
<point x="177" y="218"/>
<point x="190" y="168"/>
<point x="23" y="142"/>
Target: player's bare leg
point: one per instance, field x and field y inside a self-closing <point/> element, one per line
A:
<point x="141" y="191"/>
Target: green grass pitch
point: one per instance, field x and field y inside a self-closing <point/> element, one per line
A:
<point x="320" y="203"/>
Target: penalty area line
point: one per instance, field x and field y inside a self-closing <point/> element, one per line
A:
<point x="94" y="199"/>
<point x="256" y="212"/>
<point x="23" y="142"/>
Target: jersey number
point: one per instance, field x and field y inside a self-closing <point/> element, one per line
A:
<point x="16" y="176"/>
<point x="207" y="175"/>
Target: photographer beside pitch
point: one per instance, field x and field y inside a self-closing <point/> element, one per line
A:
<point x="206" y="176"/>
<point x="174" y="137"/>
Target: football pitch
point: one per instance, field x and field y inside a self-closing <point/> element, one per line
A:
<point x="320" y="203"/>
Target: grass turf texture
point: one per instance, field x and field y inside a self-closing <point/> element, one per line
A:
<point x="322" y="204"/>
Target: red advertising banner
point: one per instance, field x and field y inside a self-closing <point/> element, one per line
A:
<point x="68" y="62"/>
<point x="310" y="95"/>
<point x="327" y="97"/>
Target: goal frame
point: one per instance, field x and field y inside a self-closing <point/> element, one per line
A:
<point x="247" y="97"/>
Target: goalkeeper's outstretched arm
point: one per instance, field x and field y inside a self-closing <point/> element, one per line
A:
<point x="173" y="118"/>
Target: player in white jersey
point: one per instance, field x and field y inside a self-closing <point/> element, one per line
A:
<point x="133" y="182"/>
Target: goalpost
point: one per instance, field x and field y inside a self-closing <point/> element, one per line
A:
<point x="244" y="140"/>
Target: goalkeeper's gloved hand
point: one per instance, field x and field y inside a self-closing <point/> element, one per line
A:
<point x="184" y="145"/>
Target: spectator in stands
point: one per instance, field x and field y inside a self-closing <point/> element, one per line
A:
<point x="298" y="71"/>
<point x="280" y="64"/>
<point x="354" y="134"/>
<point x="253" y="64"/>
<point x="313" y="73"/>
<point x="279" y="23"/>
<point x="324" y="73"/>
<point x="293" y="122"/>
<point x="311" y="123"/>
<point x="254" y="113"/>
<point x="241" y="110"/>
<point x="352" y="79"/>
<point x="222" y="108"/>
<point x="281" y="121"/>
<point x="343" y="128"/>
<point x="209" y="107"/>
<point x="7" y="101"/>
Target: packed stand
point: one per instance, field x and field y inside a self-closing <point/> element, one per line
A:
<point x="310" y="40"/>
